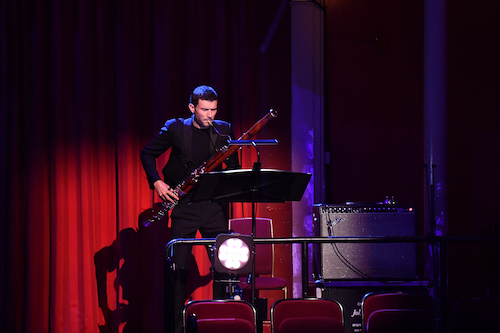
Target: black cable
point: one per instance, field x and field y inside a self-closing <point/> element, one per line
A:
<point x="339" y="254"/>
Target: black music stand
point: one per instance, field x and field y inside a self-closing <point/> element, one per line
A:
<point x="251" y="185"/>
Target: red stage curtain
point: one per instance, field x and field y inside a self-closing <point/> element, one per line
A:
<point x="84" y="85"/>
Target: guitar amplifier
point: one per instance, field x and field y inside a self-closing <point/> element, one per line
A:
<point x="366" y="261"/>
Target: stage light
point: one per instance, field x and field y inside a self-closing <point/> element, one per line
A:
<point x="233" y="254"/>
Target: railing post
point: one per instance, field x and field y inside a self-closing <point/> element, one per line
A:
<point x="305" y="269"/>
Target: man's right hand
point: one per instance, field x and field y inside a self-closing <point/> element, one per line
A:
<point x="165" y="192"/>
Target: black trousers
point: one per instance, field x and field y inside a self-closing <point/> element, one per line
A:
<point x="187" y="218"/>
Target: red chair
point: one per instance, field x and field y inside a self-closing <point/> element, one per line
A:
<point x="307" y="315"/>
<point x="219" y="316"/>
<point x="395" y="312"/>
<point x="264" y="254"/>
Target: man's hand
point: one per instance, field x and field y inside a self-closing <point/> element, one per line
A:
<point x="165" y="192"/>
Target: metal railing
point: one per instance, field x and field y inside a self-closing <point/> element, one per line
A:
<point x="440" y="276"/>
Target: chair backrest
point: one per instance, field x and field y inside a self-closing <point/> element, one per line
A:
<point x="400" y="320"/>
<point x="264" y="253"/>
<point x="316" y="315"/>
<point x="397" y="311"/>
<point x="219" y="316"/>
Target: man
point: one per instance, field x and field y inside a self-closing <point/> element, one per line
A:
<point x="192" y="141"/>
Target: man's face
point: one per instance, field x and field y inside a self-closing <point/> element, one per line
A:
<point x="204" y="113"/>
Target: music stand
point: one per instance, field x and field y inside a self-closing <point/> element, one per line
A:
<point x="251" y="185"/>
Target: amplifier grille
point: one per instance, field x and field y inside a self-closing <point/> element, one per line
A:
<point x="365" y="260"/>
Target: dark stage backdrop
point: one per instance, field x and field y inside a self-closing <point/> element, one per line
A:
<point x="84" y="85"/>
<point x="375" y="65"/>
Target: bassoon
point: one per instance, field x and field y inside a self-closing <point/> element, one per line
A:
<point x="210" y="165"/>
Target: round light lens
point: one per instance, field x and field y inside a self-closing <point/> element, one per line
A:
<point x="234" y="253"/>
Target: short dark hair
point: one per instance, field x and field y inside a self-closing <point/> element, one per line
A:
<point x="203" y="92"/>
